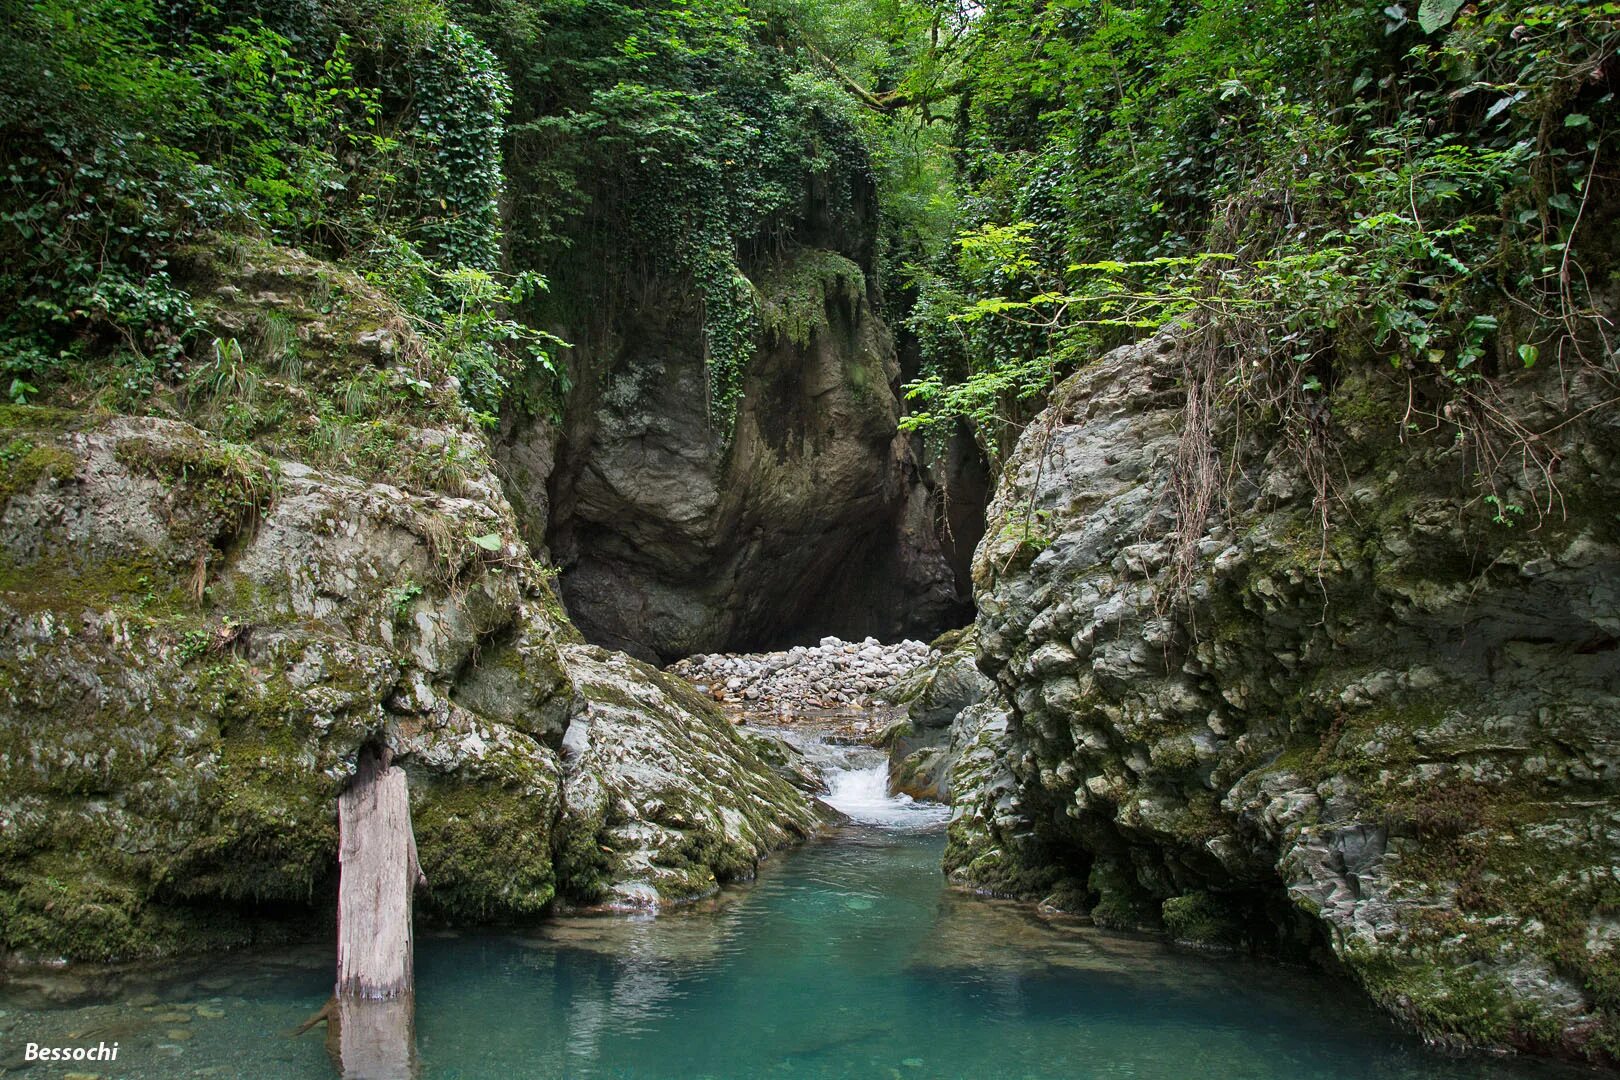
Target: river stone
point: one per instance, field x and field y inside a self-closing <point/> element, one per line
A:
<point x="1397" y="743"/>
<point x="804" y="678"/>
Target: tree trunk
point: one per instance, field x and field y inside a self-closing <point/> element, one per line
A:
<point x="377" y="873"/>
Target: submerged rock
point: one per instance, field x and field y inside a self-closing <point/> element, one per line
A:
<point x="1397" y="740"/>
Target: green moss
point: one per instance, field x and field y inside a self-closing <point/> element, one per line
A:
<point x="584" y="863"/>
<point x="976" y="857"/>
<point x="1364" y="407"/>
<point x="84" y="906"/>
<point x="138" y="585"/>
<point x="1441" y="1000"/>
<point x="227" y="487"/>
<point x="1175" y="753"/>
<point x="1121" y="903"/>
<point x="38" y="418"/>
<point x="1202" y="918"/>
<point x="1335" y="748"/>
<point x="484" y="848"/>
<point x="687" y="698"/>
<point x="270" y="831"/>
<point x="699" y="858"/>
<point x="23" y="463"/>
<point x="795" y="294"/>
<point x="65" y="907"/>
<point x="295" y="382"/>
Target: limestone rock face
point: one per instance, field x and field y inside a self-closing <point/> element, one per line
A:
<point x="924" y="747"/>
<point x="1398" y="740"/>
<point x="662" y="794"/>
<point x="198" y="635"/>
<point x="679" y="533"/>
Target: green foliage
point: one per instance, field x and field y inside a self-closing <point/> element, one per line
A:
<point x="674" y="137"/>
<point x="794" y="295"/>
<point x="590" y="142"/>
<point x="462" y="101"/>
<point x="401" y="599"/>
<point x="371" y="134"/>
<point x="1355" y="186"/>
<point x="283" y="124"/>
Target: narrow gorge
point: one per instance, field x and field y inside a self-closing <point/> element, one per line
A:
<point x="1029" y="539"/>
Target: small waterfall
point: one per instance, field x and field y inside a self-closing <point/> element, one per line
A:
<point x="857" y="780"/>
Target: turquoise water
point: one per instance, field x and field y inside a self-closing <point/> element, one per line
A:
<point x="848" y="959"/>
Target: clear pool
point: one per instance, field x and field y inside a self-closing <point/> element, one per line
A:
<point x="849" y="958"/>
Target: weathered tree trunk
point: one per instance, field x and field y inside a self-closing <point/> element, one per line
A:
<point x="371" y="1019"/>
<point x="377" y="873"/>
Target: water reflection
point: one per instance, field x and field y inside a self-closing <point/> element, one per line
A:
<point x="374" y="1040"/>
<point x="847" y="959"/>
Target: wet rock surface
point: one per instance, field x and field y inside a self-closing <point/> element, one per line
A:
<point x="1396" y="740"/>
<point x="937" y="725"/>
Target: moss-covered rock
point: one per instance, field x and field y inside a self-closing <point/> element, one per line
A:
<point x="202" y="620"/>
<point x="664" y="798"/>
<point x="1399" y="734"/>
<point x="924" y="748"/>
<point x="1204" y="919"/>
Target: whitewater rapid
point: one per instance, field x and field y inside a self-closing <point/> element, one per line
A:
<point x="857" y="779"/>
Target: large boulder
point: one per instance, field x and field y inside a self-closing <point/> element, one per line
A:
<point x="1396" y="739"/>
<point x="198" y="635"/>
<point x="924" y="746"/>
<point x="663" y="796"/>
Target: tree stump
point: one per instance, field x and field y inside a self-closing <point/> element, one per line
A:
<point x="371" y="1019"/>
<point x="377" y="873"/>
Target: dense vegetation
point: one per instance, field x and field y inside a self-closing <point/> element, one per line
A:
<point x="1308" y="185"/>
<point x="1426" y="188"/>
<point x="361" y="237"/>
<point x="453" y="153"/>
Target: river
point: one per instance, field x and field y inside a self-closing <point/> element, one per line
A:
<point x="847" y="958"/>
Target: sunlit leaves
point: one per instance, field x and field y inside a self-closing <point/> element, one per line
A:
<point x="1434" y="14"/>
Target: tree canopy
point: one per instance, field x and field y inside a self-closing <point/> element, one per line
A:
<point x="1422" y="186"/>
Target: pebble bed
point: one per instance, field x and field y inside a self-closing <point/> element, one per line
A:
<point x="831" y="676"/>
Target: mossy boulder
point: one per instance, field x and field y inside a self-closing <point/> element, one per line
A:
<point x="1399" y="734"/>
<point x="923" y="749"/>
<point x="664" y="797"/>
<point x="205" y="615"/>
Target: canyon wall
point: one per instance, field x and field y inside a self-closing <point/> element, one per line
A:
<point x="1394" y="741"/>
<point x="678" y="531"/>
